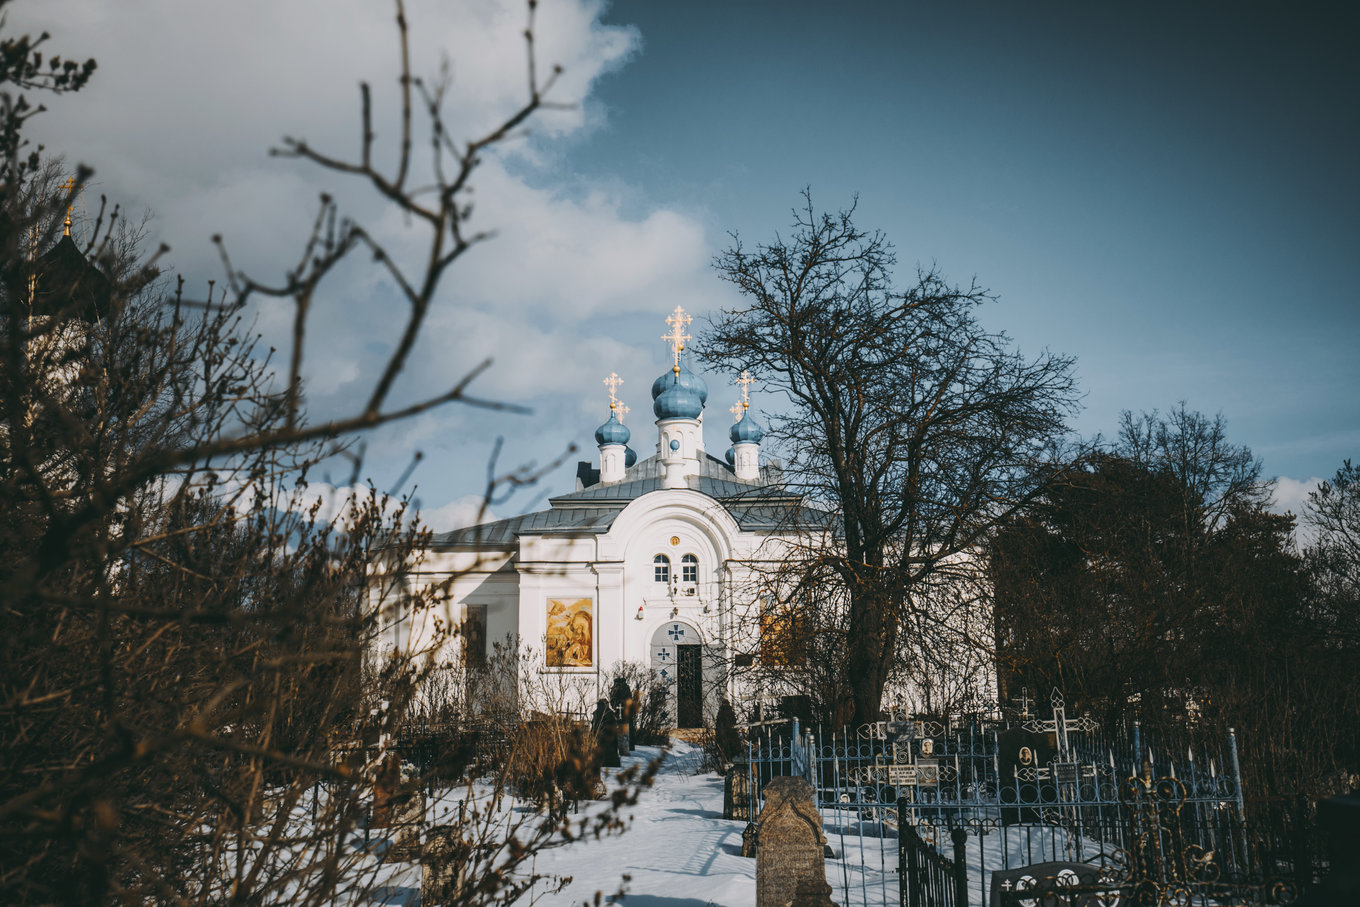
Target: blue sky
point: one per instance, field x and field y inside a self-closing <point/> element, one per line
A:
<point x="1165" y="191"/>
<point x="1168" y="192"/>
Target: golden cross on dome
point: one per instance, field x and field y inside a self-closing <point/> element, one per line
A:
<point x="745" y="381"/>
<point x="69" y="186"/>
<point x="620" y="410"/>
<point x="613" y="382"/>
<point x="678" y="320"/>
<point x="736" y="409"/>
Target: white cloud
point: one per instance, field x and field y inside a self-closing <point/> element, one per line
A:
<point x="187" y="100"/>
<point x="469" y="510"/>
<point x="1289" y="494"/>
<point x="558" y="257"/>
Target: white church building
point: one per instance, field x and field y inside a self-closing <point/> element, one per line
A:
<point x="651" y="560"/>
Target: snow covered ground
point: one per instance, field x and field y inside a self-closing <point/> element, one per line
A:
<point x="679" y="852"/>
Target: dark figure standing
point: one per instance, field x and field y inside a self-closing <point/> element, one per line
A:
<point x="621" y="698"/>
<point x="605" y="724"/>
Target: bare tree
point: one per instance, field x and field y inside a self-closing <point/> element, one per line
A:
<point x="181" y="709"/>
<point x="915" y="426"/>
<point x="1333" y="512"/>
<point x="1151" y="583"/>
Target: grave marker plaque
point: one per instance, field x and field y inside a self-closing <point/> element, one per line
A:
<point x="902" y="775"/>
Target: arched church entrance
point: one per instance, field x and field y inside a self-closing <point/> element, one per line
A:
<point x="677" y="658"/>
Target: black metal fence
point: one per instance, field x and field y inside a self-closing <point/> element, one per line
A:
<point x="945" y="806"/>
<point x="928" y="878"/>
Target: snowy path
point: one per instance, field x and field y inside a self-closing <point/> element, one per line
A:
<point x="678" y="850"/>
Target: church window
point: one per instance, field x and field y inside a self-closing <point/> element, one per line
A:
<point x="689" y="569"/>
<point x="661" y="568"/>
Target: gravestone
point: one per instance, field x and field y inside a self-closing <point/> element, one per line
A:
<point x="386" y="790"/>
<point x="1339" y="819"/>
<point x="443" y="866"/>
<point x="1047" y="876"/>
<point x="737" y="792"/>
<point x="1021" y="754"/>
<point x="790" y="854"/>
<point x="408" y="819"/>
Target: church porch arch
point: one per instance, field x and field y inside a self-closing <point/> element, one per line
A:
<point x="691" y="670"/>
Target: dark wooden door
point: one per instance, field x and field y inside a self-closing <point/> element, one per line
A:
<point x="689" y="686"/>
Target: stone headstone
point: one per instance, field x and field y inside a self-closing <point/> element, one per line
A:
<point x="1339" y="819"/>
<point x="408" y="820"/>
<point x="443" y="864"/>
<point x="737" y="792"/>
<point x="1047" y="875"/>
<point x="386" y="788"/>
<point x="790" y="854"/>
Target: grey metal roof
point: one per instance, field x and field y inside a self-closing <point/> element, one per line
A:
<point x="763" y="506"/>
<point x="505" y="533"/>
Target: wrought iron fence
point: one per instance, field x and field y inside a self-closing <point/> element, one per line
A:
<point x="987" y="797"/>
<point x="927" y="877"/>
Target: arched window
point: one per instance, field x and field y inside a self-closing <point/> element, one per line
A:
<point x="689" y="569"/>
<point x="661" y="568"/>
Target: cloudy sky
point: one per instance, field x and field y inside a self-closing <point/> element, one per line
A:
<point x="1166" y="191"/>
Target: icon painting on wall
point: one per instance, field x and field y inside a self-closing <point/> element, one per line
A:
<point x="570" y="633"/>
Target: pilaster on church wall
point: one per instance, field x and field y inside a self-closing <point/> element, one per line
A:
<point x="610" y="613"/>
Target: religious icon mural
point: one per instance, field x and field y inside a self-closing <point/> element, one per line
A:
<point x="570" y="637"/>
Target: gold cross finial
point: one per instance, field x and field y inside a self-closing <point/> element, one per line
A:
<point x="620" y="410"/>
<point x="613" y="382"/>
<point x="678" y="320"/>
<point x="69" y="186"/>
<point x="745" y="380"/>
<point x="736" y="409"/>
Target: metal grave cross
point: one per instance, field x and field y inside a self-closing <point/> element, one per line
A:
<point x="1060" y="725"/>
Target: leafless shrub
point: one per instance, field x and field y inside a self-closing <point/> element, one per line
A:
<point x="181" y="711"/>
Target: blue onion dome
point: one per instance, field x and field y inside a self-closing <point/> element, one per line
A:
<point x="686" y="378"/>
<point x="746" y="429"/>
<point x="731" y="456"/>
<point x="612" y="432"/>
<point x="629" y="457"/>
<point x="679" y="395"/>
